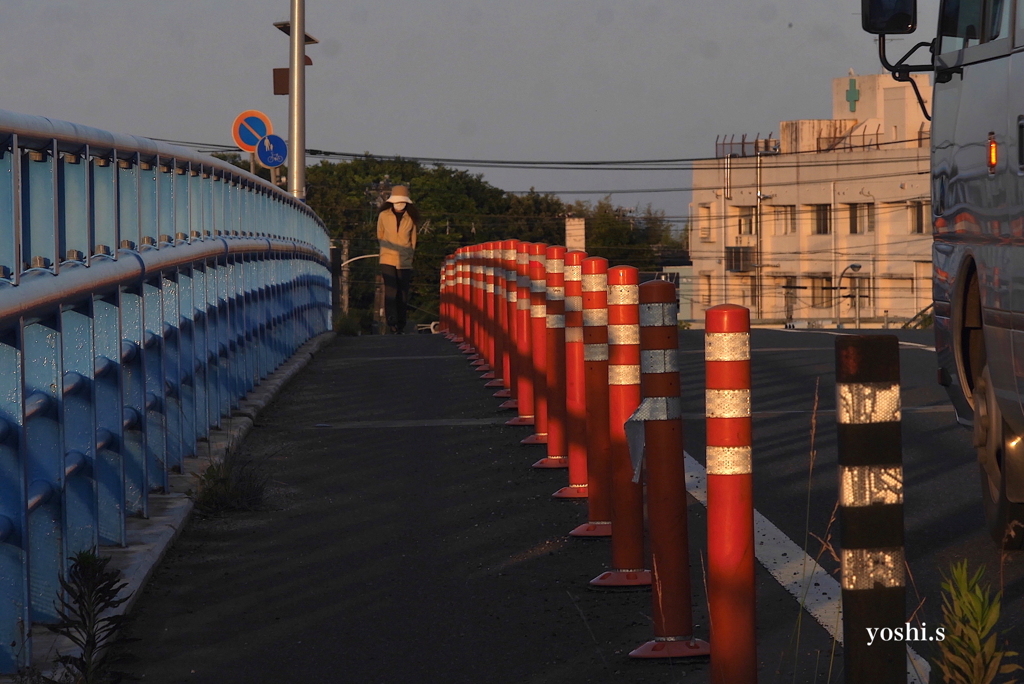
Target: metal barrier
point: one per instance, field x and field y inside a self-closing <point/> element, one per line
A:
<point x="144" y="289"/>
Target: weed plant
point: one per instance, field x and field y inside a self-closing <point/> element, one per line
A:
<point x="88" y="595"/>
<point x="968" y="654"/>
<point x="235" y="484"/>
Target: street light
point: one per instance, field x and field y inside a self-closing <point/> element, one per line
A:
<point x="297" y="96"/>
<point x="855" y="268"/>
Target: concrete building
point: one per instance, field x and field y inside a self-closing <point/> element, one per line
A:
<point x="826" y="224"/>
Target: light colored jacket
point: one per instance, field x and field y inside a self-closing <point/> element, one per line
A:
<point x="397" y="242"/>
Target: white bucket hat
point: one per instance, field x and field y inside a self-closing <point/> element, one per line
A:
<point x="399" y="193"/>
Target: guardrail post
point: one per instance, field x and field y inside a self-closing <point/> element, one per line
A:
<point x="108" y="468"/>
<point x="595" y="369"/>
<point x="575" y="382"/>
<point x="15" y="646"/>
<point x="171" y="366"/>
<point x="79" y="421"/>
<point x="731" y="594"/>
<point x="870" y="446"/>
<point x="153" y="349"/>
<point x="538" y="342"/>
<point x="42" y="455"/>
<point x="623" y="399"/>
<point x="554" y="369"/>
<point x="662" y="430"/>
<point x="133" y="443"/>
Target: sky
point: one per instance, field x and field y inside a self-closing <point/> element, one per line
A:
<point x="547" y="80"/>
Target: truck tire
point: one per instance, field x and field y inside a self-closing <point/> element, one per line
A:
<point x="1005" y="519"/>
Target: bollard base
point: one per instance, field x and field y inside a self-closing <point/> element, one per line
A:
<point x="594" y="530"/>
<point x="561" y="462"/>
<point x="505" y="394"/>
<point x="622" y="578"/>
<point x="480" y="364"/>
<point x="473" y="356"/>
<point x="571" y="492"/>
<point x="536" y="439"/>
<point x="510" y="404"/>
<point x="520" y="420"/>
<point x="682" y="648"/>
<point x="467" y="348"/>
<point x="499" y="382"/>
<point x="489" y="375"/>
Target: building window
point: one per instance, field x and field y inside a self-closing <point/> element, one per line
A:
<point x="704" y="222"/>
<point x="705" y="289"/>
<point x="821" y="292"/>
<point x="785" y="219"/>
<point x="822" y="217"/>
<point x="919" y="217"/>
<point x="862" y="218"/>
<point x="745" y="220"/>
<point x="739" y="259"/>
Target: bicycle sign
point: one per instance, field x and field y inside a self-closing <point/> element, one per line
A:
<point x="272" y="151"/>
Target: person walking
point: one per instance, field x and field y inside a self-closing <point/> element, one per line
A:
<point x="396" y="231"/>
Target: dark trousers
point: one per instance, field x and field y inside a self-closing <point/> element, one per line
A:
<point x="396" y="294"/>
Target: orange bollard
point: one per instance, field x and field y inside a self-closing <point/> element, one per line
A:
<point x="446" y="324"/>
<point x="524" y="350"/>
<point x="499" y="322"/>
<point x="667" y="524"/>
<point x="731" y="595"/>
<point x="490" y="313"/>
<point x="554" y="370"/>
<point x="623" y="399"/>
<point x="475" y="298"/>
<point x="595" y="370"/>
<point x="538" y="342"/>
<point x="575" y="383"/>
<point x="461" y="303"/>
<point x="484" y="348"/>
<point x="509" y="367"/>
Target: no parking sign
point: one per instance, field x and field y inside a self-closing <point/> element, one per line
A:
<point x="249" y="128"/>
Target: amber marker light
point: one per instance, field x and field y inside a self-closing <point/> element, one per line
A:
<point x="993" y="153"/>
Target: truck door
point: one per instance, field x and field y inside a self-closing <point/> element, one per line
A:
<point x="970" y="194"/>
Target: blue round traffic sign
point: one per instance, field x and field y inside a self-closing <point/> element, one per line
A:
<point x="272" y="151"/>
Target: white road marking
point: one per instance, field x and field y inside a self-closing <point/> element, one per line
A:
<point x="817" y="591"/>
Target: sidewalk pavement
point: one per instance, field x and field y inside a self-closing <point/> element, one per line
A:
<point x="407" y="539"/>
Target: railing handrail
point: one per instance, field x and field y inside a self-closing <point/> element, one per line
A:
<point x="40" y="131"/>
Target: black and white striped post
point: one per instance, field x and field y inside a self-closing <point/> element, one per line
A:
<point x="871" y="506"/>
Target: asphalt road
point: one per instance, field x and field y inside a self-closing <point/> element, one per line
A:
<point x="407" y="540"/>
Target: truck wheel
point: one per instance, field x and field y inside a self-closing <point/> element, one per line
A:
<point x="1004" y="518"/>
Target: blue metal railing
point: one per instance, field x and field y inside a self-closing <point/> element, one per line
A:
<point x="144" y="289"/>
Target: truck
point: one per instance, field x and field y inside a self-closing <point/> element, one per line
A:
<point x="977" y="190"/>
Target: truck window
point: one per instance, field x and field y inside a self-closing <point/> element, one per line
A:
<point x="965" y="23"/>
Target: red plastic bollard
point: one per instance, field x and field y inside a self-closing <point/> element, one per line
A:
<point x="462" y="296"/>
<point x="538" y="343"/>
<point x="731" y="595"/>
<point x="509" y="368"/>
<point x="445" y="318"/>
<point x="524" y="350"/>
<point x="666" y="477"/>
<point x="475" y="299"/>
<point x="554" y="371"/>
<point x="486" y="347"/>
<point x="490" y="314"/>
<point x="595" y="369"/>
<point x="575" y="383"/>
<point x="623" y="399"/>
<point x="498" y="323"/>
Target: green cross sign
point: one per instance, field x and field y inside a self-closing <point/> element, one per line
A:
<point x="852" y="95"/>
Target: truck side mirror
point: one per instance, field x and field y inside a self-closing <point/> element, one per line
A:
<point x="888" y="17"/>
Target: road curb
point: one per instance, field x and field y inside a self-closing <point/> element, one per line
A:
<point x="148" y="539"/>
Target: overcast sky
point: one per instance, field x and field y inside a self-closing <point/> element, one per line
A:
<point x="530" y="80"/>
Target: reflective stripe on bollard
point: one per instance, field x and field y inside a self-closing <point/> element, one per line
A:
<point x="523" y="348"/>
